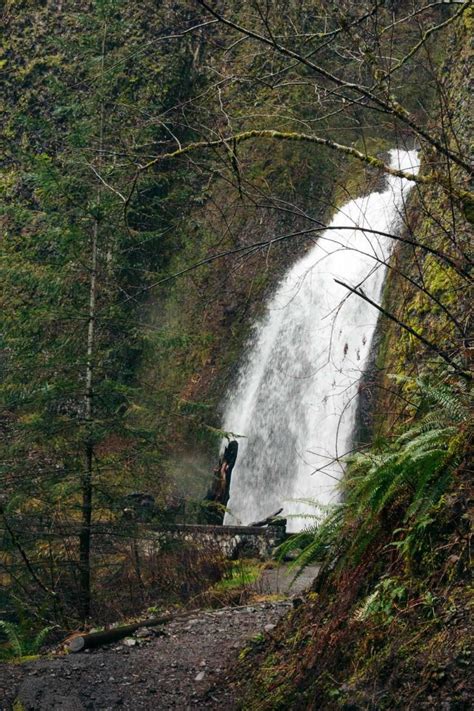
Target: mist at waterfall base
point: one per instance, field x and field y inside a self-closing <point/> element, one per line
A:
<point x="295" y="401"/>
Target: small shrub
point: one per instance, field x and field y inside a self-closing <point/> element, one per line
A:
<point x="20" y="642"/>
<point x="382" y="603"/>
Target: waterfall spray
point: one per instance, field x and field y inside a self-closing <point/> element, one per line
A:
<point x="296" y="398"/>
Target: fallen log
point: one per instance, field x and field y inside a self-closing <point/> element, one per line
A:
<point x="90" y="640"/>
<point x="266" y="521"/>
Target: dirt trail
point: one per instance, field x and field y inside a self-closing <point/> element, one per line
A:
<point x="183" y="667"/>
<point x="178" y="670"/>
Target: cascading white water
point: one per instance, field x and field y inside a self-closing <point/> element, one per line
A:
<point x="296" y="396"/>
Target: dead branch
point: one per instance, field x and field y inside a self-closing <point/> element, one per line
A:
<point x="391" y="106"/>
<point x="431" y="346"/>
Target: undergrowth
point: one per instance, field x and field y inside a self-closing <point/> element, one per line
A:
<point x="21" y="642"/>
<point x="405" y="477"/>
<point x="240" y="574"/>
<point x="390" y="604"/>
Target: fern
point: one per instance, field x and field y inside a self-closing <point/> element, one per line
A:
<point x="38" y="641"/>
<point x="11" y="633"/>
<point x="20" y="642"/>
<point x="451" y="405"/>
<point x="319" y="542"/>
<point x="414" y="471"/>
<point x="382" y="602"/>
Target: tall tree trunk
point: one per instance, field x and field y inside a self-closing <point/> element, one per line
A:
<point x="87" y="476"/>
<point x="86" y="484"/>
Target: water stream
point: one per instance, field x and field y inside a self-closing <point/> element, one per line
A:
<point x="296" y="397"/>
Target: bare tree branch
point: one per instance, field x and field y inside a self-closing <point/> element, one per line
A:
<point x="430" y="179"/>
<point x="391" y="106"/>
<point x="432" y="346"/>
<point x="423" y="39"/>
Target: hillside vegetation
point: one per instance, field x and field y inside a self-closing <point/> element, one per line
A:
<point x="164" y="163"/>
<point x="388" y="622"/>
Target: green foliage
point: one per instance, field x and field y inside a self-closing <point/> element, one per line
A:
<point x="409" y="475"/>
<point x="412" y="472"/>
<point x="383" y="603"/>
<point x="241" y="574"/>
<point x="74" y="111"/>
<point x="319" y="540"/>
<point x="255" y="643"/>
<point x="21" y="643"/>
<point x="413" y="536"/>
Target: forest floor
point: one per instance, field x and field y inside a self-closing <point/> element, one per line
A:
<point x="184" y="665"/>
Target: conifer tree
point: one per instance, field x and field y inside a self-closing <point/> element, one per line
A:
<point x="77" y="254"/>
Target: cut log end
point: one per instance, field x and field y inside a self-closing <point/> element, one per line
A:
<point x="77" y="644"/>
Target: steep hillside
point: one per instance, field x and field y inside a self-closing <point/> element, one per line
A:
<point x="388" y="622"/>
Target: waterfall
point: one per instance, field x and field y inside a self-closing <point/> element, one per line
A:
<point x="296" y="397"/>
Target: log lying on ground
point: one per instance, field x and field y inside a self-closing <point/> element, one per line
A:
<point x="96" y="639"/>
<point x="266" y="521"/>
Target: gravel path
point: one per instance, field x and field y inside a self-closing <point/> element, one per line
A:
<point x="183" y="665"/>
<point x="182" y="669"/>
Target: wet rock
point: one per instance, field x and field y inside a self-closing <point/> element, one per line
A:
<point x="129" y="642"/>
<point x="144" y="633"/>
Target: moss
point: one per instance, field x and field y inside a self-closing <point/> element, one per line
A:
<point x="468" y="209"/>
<point x="468" y="21"/>
<point x="26" y="659"/>
<point x="41" y="64"/>
<point x="241" y="574"/>
<point x="356" y="181"/>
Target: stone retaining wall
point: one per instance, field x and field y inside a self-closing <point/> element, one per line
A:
<point x="234" y="541"/>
